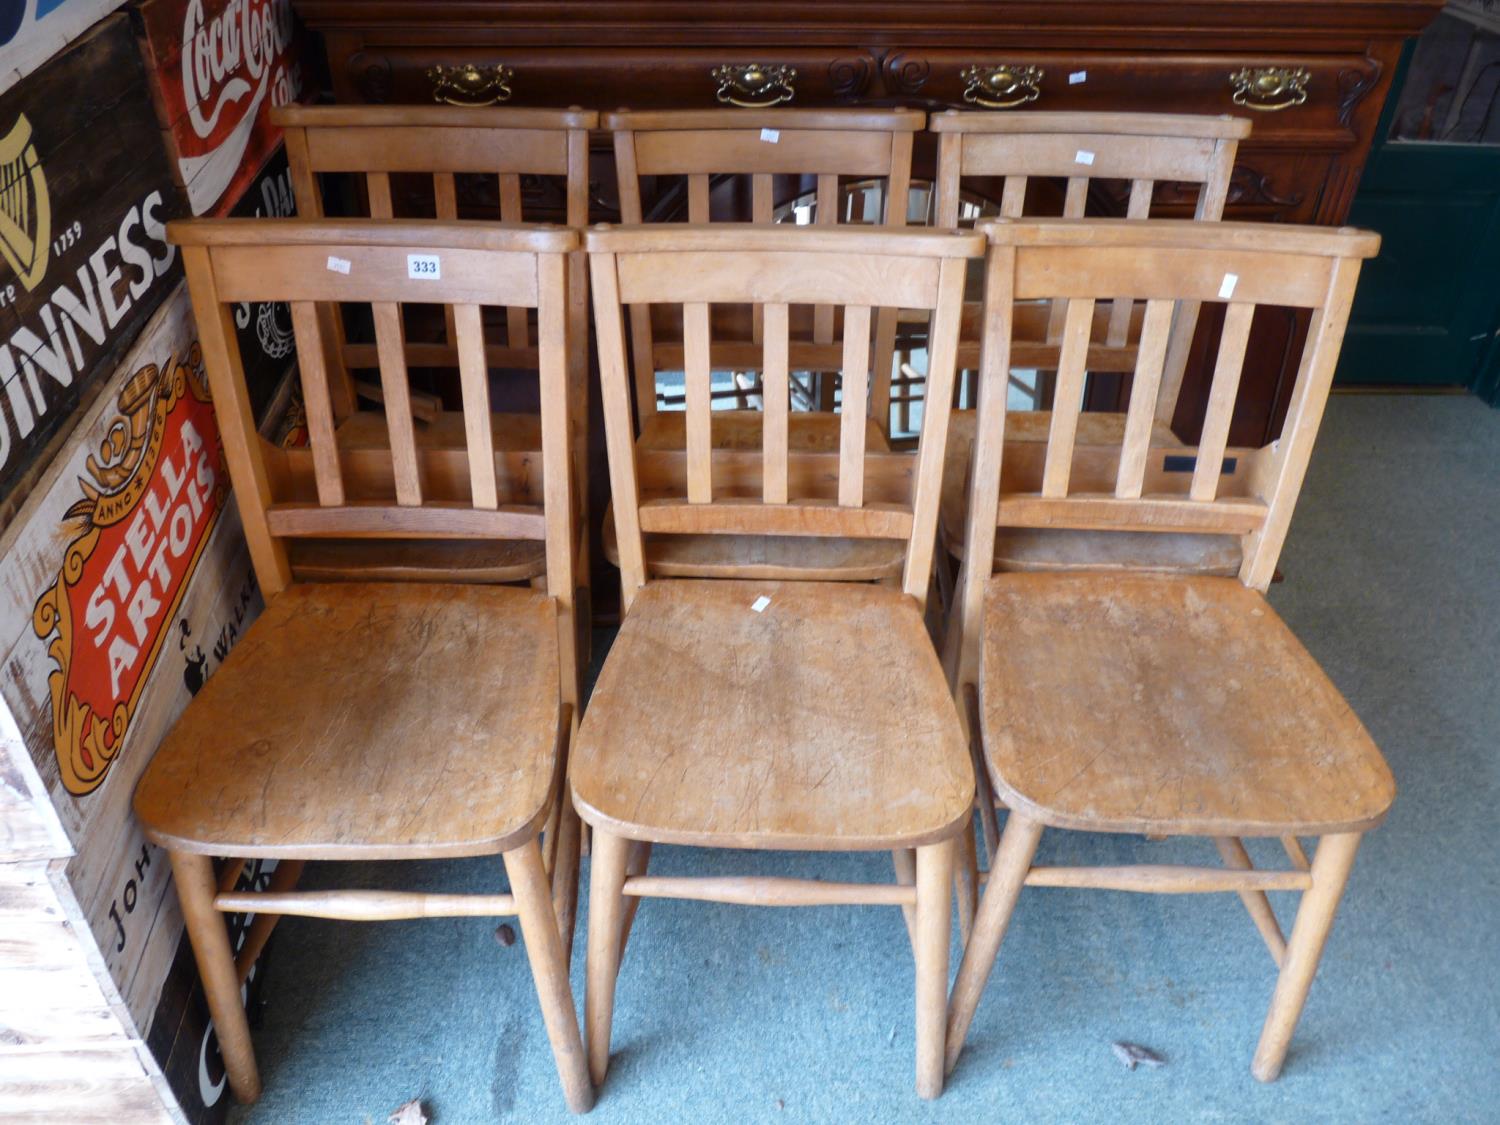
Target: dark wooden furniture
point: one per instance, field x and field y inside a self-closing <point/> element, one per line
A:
<point x="1327" y="65"/>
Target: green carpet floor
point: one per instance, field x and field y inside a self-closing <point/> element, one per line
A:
<point x="728" y="1014"/>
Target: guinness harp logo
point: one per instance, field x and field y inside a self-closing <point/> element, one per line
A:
<point x="25" y="209"/>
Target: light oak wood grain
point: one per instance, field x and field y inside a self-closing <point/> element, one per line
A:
<point x="1162" y="704"/>
<point x="802" y="726"/>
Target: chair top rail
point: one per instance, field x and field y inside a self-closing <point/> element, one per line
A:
<point x="1122" y="124"/>
<point x="529" y="238"/>
<point x="648" y="238"/>
<point x="1166" y="234"/>
<point x="432" y="117"/>
<point x="887" y="120"/>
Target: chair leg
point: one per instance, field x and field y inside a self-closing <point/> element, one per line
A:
<point x="544" y="948"/>
<point x="636" y="864"/>
<point x="904" y="860"/>
<point x="966" y="882"/>
<point x="1330" y="871"/>
<point x="606" y="918"/>
<point x="1007" y="877"/>
<point x="196" y="887"/>
<point x="934" y="933"/>
<point x="565" y="875"/>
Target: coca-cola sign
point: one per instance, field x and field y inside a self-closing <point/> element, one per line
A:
<point x="220" y="65"/>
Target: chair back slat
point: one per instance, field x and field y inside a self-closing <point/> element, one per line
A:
<point x="829" y="210"/>
<point x="1138" y="207"/>
<point x="445" y="206"/>
<point x="1221" y="396"/>
<point x="1075" y="202"/>
<point x="698" y="197"/>
<point x="699" y="395"/>
<point x="510" y="212"/>
<point x="1126" y="483"/>
<point x="852" y="422"/>
<point x="1150" y="360"/>
<point x="317" y="404"/>
<point x="702" y="145"/>
<point x="1067" y="403"/>
<point x="396" y="392"/>
<point x="378" y="190"/>
<point x="776" y="399"/>
<point x="769" y="490"/>
<point x="356" y="480"/>
<point x="474" y="387"/>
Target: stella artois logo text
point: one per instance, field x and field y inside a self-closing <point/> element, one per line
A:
<point x="25" y="207"/>
<point x="158" y="485"/>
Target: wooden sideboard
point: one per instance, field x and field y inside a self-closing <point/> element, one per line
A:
<point x="1312" y="74"/>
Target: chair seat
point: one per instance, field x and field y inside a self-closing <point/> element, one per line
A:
<point x="1166" y="705"/>
<point x="417" y="560"/>
<point x="368" y="721"/>
<point x="821" y="723"/>
<point x="764" y="556"/>
<point x="807" y="431"/>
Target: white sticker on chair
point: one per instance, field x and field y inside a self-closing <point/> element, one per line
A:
<point x="339" y="265"/>
<point x="1078" y="78"/>
<point x="424" y="267"/>
<point x="760" y="603"/>
<point x="1084" y="157"/>
<point x="1226" y="287"/>
<point x="770" y="136"/>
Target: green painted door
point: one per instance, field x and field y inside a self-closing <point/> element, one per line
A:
<point x="1428" y="308"/>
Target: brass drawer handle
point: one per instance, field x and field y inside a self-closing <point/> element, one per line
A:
<point x="470" y="85"/>
<point x="1270" y="88"/>
<point x="753" y="86"/>
<point x="1001" y="87"/>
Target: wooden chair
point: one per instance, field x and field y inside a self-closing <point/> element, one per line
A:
<point x="773" y="714"/>
<point x="1165" y="705"/>
<point x="837" y="149"/>
<point x="1090" y="151"/>
<point x="503" y="144"/>
<point x="378" y="721"/>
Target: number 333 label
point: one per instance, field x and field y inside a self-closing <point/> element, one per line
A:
<point x="424" y="267"/>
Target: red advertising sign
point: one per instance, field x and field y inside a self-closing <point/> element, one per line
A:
<point x="154" y="490"/>
<point x="217" y="68"/>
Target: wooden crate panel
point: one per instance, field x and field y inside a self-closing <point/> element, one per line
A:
<point x="130" y="582"/>
<point x="29" y="826"/>
<point x="83" y="254"/>
<point x="32" y="31"/>
<point x="217" y="67"/>
<point x="68" y="1051"/>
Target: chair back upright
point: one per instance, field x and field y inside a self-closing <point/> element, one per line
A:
<point x="1144" y="149"/>
<point x="443" y="142"/>
<point x="832" y="147"/>
<point x="702" y="490"/>
<point x="1136" y="486"/>
<point x="405" y="489"/>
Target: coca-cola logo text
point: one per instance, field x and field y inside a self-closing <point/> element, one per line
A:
<point x="217" y="55"/>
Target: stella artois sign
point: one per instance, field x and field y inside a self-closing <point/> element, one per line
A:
<point x="154" y="490"/>
<point x="219" y="66"/>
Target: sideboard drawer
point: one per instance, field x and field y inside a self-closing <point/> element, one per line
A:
<point x="1302" y="100"/>
<point x="602" y="79"/>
